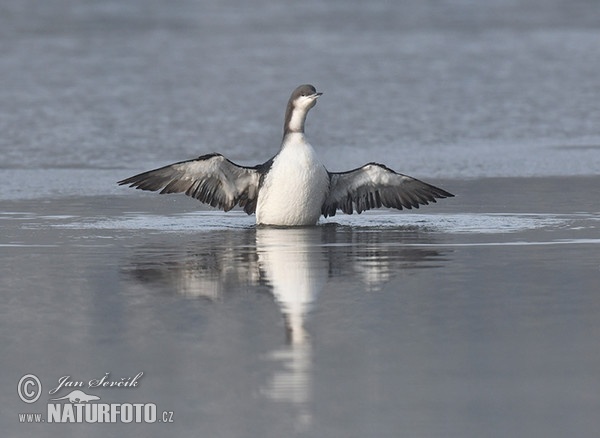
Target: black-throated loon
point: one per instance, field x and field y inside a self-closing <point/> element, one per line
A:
<point x="293" y="187"/>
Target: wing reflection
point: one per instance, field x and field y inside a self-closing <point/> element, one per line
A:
<point x="199" y="268"/>
<point x="214" y="263"/>
<point x="295" y="264"/>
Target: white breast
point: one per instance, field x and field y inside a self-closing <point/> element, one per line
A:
<point x="295" y="187"/>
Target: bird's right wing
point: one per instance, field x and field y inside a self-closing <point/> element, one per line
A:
<point x="375" y="185"/>
<point x="211" y="178"/>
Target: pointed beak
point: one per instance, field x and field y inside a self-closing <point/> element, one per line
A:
<point x="316" y="95"/>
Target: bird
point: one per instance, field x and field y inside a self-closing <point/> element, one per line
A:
<point x="293" y="188"/>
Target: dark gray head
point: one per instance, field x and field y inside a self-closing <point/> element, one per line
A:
<point x="303" y="98"/>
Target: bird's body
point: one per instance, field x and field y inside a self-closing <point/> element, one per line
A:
<point x="293" y="188"/>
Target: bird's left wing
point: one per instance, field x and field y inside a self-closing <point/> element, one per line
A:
<point x="211" y="179"/>
<point x="375" y="185"/>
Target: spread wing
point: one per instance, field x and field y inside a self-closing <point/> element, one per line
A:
<point x="374" y="185"/>
<point x="211" y="179"/>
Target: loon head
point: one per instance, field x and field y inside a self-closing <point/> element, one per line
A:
<point x="303" y="98"/>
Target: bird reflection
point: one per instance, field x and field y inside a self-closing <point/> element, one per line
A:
<point x="296" y="268"/>
<point x="295" y="264"/>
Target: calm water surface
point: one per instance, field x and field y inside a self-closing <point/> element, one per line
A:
<point x="477" y="316"/>
<point x="453" y="323"/>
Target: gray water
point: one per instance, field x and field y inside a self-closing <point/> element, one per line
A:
<point x="476" y="316"/>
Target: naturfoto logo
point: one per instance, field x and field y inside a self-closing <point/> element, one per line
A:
<point x="81" y="405"/>
<point x="78" y="396"/>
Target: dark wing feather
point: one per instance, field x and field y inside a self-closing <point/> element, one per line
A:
<point x="211" y="179"/>
<point x="374" y="185"/>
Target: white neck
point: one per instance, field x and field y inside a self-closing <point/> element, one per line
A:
<point x="295" y="121"/>
<point x="294" y="138"/>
